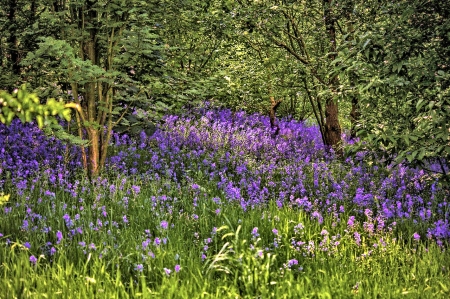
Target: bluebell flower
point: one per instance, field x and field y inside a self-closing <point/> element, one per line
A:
<point x="139" y="268"/>
<point x="33" y="259"/>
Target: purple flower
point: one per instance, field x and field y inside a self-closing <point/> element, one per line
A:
<point x="416" y="237"/>
<point x="164" y="224"/>
<point x="157" y="241"/>
<point x="177" y="268"/>
<point x="136" y="189"/>
<point x="167" y="271"/>
<point x="351" y="221"/>
<point x="145" y="244"/>
<point x="298" y="228"/>
<point x="59" y="237"/>
<point x="255" y="233"/>
<point x="368" y="227"/>
<point x="25" y="225"/>
<point x="317" y="215"/>
<point x="124" y="218"/>
<point x="441" y="229"/>
<point x="380" y="225"/>
<point x="357" y="238"/>
<point x="27" y="245"/>
<point x="275" y="231"/>
<point x="68" y="221"/>
<point x="139" y="268"/>
<point x="52" y="250"/>
<point x="33" y="259"/>
<point x="292" y="262"/>
<point x="49" y="193"/>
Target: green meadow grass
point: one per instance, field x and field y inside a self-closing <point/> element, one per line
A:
<point x="238" y="263"/>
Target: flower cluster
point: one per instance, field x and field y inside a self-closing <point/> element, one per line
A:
<point x="232" y="153"/>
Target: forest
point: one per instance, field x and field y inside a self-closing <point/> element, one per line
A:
<point x="224" y="149"/>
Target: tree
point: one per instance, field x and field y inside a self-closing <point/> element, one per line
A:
<point x="92" y="60"/>
<point x="16" y="17"/>
<point x="310" y="32"/>
<point x="404" y="81"/>
<point x="197" y="36"/>
<point x="107" y="58"/>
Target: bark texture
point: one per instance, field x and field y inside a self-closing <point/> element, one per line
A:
<point x="332" y="126"/>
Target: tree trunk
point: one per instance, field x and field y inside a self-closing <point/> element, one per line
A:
<point x="272" y="115"/>
<point x="94" y="153"/>
<point x="92" y="100"/>
<point x="332" y="126"/>
<point x="12" y="39"/>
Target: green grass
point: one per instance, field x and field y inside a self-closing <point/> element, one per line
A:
<point x="237" y="264"/>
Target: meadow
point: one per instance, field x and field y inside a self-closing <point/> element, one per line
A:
<point x="212" y="205"/>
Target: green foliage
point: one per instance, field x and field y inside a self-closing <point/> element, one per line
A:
<point x="238" y="264"/>
<point x="388" y="60"/>
<point x="103" y="59"/>
<point x="402" y="65"/>
<point x="27" y="108"/>
<point x="197" y="38"/>
<point x="254" y="272"/>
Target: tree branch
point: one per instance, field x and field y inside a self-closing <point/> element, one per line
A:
<point x="78" y="108"/>
<point x="289" y="49"/>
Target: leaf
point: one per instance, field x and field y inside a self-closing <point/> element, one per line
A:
<point x="413" y="137"/>
<point x="421" y="155"/>
<point x="411" y="156"/>
<point x="420" y="104"/>
<point x="444" y="287"/>
<point x="366" y="43"/>
<point x="40" y="121"/>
